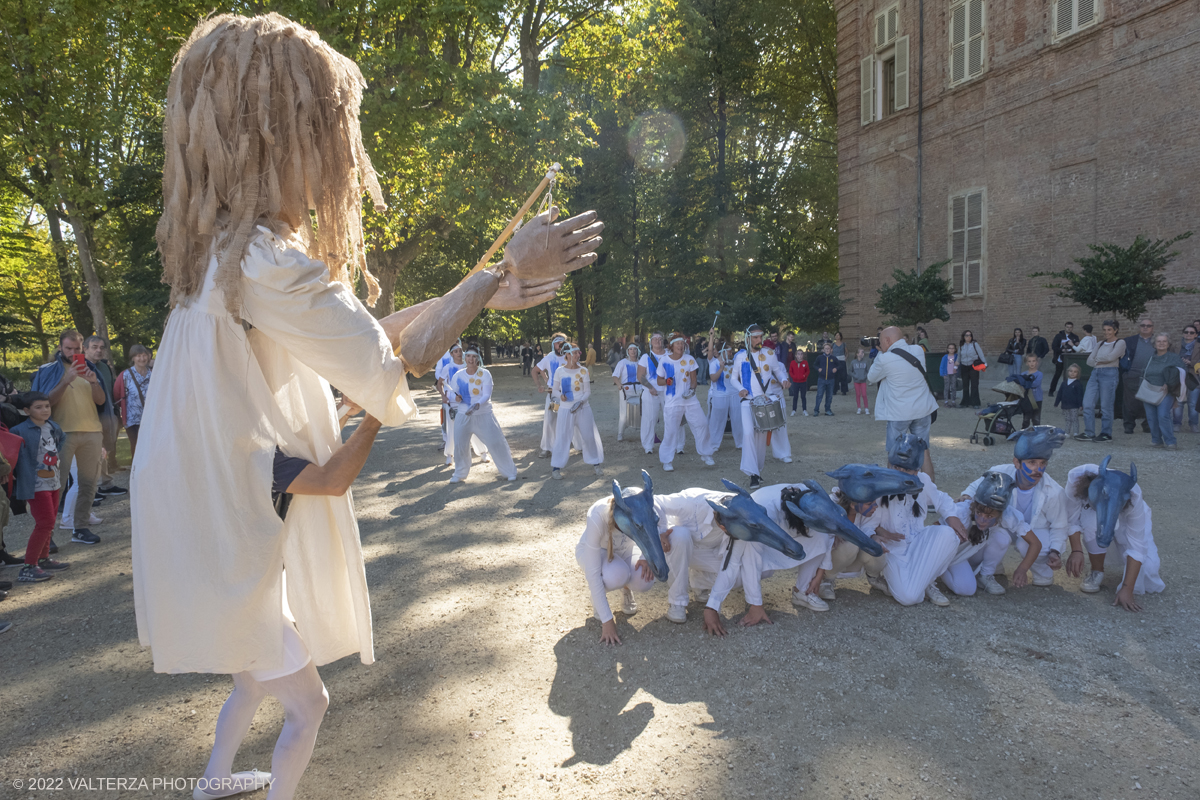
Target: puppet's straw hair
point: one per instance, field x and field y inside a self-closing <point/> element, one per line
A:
<point x="261" y="126"/>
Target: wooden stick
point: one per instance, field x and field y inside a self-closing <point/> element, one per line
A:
<point x="512" y="225"/>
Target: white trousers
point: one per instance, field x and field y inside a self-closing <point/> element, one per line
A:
<point x="997" y="545"/>
<point x="620" y="573"/>
<point x="651" y="410"/>
<point x="627" y="416"/>
<point x="673" y="436"/>
<point x="722" y="407"/>
<point x="781" y="446"/>
<point x="477" y="446"/>
<point x="959" y="577"/>
<point x="1148" y="579"/>
<point x="582" y="423"/>
<point x="703" y="565"/>
<point x="481" y="426"/>
<point x="846" y="558"/>
<point x="684" y="555"/>
<point x="927" y="556"/>
<point x="549" y="426"/>
<point x="754" y="442"/>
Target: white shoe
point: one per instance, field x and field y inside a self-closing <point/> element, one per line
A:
<point x="668" y="467"/>
<point x="805" y="413"/>
<point x="787" y="459"/>
<point x="619" y="439"/>
<point x="454" y="479"/>
<point x="793" y="413"/>
<point x="1043" y="581"/>
<point x="487" y="458"/>
<point x="858" y="411"/>
<point x="677" y="614"/>
<point x="237" y="783"/>
<point x="708" y="460"/>
<point x="556" y="473"/>
<point x="866" y="411"/>
<point x="989" y="584"/>
<point x="935" y="596"/>
<point x="513" y="478"/>
<point x="1092" y="583"/>
<point x="701" y="596"/>
<point x="809" y="601"/>
<point x="825" y="592"/>
<point x="881" y="584"/>
<point x="599" y="470"/>
<point x="449" y="460"/>
<point x="628" y="604"/>
<point x="544" y="454"/>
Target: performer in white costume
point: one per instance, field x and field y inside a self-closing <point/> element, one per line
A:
<point x="474" y="418"/>
<point x="677" y="382"/>
<point x="755" y="371"/>
<point x="723" y="402"/>
<point x="1040" y="503"/>
<point x="652" y="397"/>
<point x="570" y="391"/>
<point x="444" y="374"/>
<point x="543" y="377"/>
<point x="1133" y="538"/>
<point x="257" y="332"/>
<point x="626" y="380"/>
<point x="692" y="548"/>
<point x="916" y="553"/>
<point x="991" y="525"/>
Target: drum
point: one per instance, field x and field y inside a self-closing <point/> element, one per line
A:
<point x="768" y="413"/>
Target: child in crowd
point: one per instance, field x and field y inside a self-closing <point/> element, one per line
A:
<point x="798" y="370"/>
<point x="858" y="373"/>
<point x="1070" y="397"/>
<point x="1031" y="378"/>
<point x="38" y="482"/>
<point x="949" y="372"/>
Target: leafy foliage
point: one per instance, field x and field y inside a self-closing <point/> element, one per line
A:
<point x="916" y="298"/>
<point x="1119" y="280"/>
<point x="818" y="307"/>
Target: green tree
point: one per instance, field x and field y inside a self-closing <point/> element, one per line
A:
<point x="815" y="308"/>
<point x="916" y="298"/>
<point x="1119" y="280"/>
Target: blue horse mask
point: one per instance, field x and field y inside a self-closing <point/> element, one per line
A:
<point x="821" y="513"/>
<point x="633" y="513"/>
<point x="907" y="451"/>
<point x="995" y="490"/>
<point x="1107" y="495"/>
<point x="1040" y="441"/>
<point x="865" y="483"/>
<point x="742" y="518"/>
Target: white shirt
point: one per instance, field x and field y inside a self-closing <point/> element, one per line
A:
<point x="1048" y="519"/>
<point x="1086" y="345"/>
<point x="550" y="364"/>
<point x="903" y="392"/>
<point x="570" y="386"/>
<point x="721" y="377"/>
<point x="592" y="550"/>
<point x="770" y="373"/>
<point x="897" y="516"/>
<point x="680" y="372"/>
<point x="467" y="390"/>
<point x="626" y="372"/>
<point x="1133" y="523"/>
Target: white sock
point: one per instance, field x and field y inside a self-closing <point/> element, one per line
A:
<point x="304" y="700"/>
<point x="232" y="725"/>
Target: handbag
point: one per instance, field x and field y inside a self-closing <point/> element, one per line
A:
<point x="1150" y="394"/>
<point x="1005" y="358"/>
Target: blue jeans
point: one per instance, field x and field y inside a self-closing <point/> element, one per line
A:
<point x="918" y="427"/>
<point x="1159" y="417"/>
<point x="1193" y="414"/>
<point x="1102" y="387"/>
<point x="1015" y="367"/>
<point x="824" y="386"/>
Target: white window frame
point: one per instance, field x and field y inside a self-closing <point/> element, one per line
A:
<point x="962" y="259"/>
<point x="1073" y="25"/>
<point x="973" y="38"/>
<point x="872" y="92"/>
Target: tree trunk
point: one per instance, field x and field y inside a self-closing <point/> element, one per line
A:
<point x="80" y="315"/>
<point x="722" y="203"/>
<point x="637" y="290"/>
<point x="83" y="243"/>
<point x="580" y="312"/>
<point x="388" y="264"/>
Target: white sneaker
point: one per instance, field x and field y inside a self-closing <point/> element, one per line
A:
<point x="881" y="584"/>
<point x="935" y="596"/>
<point x="677" y="614"/>
<point x="787" y="459"/>
<point x="701" y="595"/>
<point x="708" y="460"/>
<point x="989" y="584"/>
<point x="487" y="458"/>
<point x="237" y="783"/>
<point x="556" y="473"/>
<point x="1092" y="583"/>
<point x="599" y="470"/>
<point x="858" y="411"/>
<point x="793" y="413"/>
<point x="668" y="467"/>
<point x="805" y="413"/>
<point x="825" y="592"/>
<point x="809" y="601"/>
<point x="544" y="454"/>
<point x="628" y="604"/>
<point x="513" y="478"/>
<point x="454" y="479"/>
<point x="866" y="411"/>
<point x="619" y="439"/>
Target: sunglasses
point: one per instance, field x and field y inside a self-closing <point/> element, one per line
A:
<point x="1185" y="333"/>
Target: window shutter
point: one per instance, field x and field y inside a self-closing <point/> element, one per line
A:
<point x="974" y="278"/>
<point x="1062" y="17"/>
<point x="880" y="30"/>
<point x="902" y="73"/>
<point x="1087" y="13"/>
<point x="958" y="253"/>
<point x="867" y="77"/>
<point x="975" y="40"/>
<point x="893" y="22"/>
<point x="958" y="44"/>
<point x="974" y="248"/>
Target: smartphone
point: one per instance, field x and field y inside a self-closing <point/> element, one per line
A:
<point x="79" y="361"/>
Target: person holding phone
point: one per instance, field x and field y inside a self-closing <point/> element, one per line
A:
<point x="78" y="400"/>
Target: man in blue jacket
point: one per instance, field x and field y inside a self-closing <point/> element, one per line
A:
<point x="77" y="399"/>
<point x="1138" y="349"/>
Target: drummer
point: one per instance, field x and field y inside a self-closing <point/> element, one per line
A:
<point x="629" y="391"/>
<point x="755" y="372"/>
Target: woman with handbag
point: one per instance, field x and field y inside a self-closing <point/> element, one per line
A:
<point x="130" y="391"/>
<point x="970" y="356"/>
<point x="1160" y="384"/>
<point x="1189" y="353"/>
<point x="1014" y="353"/>
<point x="1102" y="385"/>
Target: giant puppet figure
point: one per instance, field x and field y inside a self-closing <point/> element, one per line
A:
<point x="261" y="136"/>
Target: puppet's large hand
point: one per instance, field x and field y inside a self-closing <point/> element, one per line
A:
<point x="516" y="293"/>
<point x="543" y="249"/>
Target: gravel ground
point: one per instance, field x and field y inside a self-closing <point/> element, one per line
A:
<point x="491" y="682"/>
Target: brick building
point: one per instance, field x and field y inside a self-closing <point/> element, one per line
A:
<point x="1040" y="127"/>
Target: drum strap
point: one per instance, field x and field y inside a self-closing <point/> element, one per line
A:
<point x="757" y="375"/>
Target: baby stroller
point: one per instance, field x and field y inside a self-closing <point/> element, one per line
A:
<point x="997" y="419"/>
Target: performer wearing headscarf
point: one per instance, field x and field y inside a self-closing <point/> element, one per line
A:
<point x="626" y="381"/>
<point x="652" y="397"/>
<point x="543" y="378"/>
<point x="723" y="402"/>
<point x="1130" y="535"/>
<point x="569" y="396"/>
<point x="677" y="379"/>
<point x="990" y="523"/>
<point x="444" y="374"/>
<point x="473" y="417"/>
<point x="755" y="371"/>
<point x="261" y="134"/>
